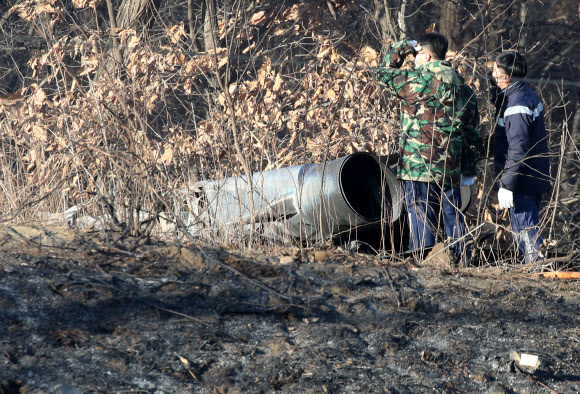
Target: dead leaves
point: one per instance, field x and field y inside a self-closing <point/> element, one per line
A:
<point x="329" y="112"/>
<point x="286" y="117"/>
<point x="167" y="156"/>
<point x="369" y="57"/>
<point x="89" y="64"/>
<point x="32" y="9"/>
<point x="288" y="111"/>
<point x="86" y="3"/>
<point x="11" y="99"/>
<point x="258" y="18"/>
<point x="174" y="33"/>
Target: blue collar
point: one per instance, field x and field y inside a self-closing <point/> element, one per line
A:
<point x="512" y="87"/>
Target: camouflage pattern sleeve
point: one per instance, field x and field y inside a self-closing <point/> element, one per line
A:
<point x="389" y="72"/>
<point x="472" y="149"/>
<point x="439" y="137"/>
<point x="396" y="56"/>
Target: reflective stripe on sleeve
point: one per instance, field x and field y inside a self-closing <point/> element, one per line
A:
<point x="522" y="109"/>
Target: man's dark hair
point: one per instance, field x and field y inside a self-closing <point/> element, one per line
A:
<point x="512" y="63"/>
<point x="434" y="43"/>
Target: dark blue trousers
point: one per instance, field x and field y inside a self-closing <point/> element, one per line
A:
<point x="524" y="216"/>
<point x="426" y="202"/>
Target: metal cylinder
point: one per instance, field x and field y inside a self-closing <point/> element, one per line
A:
<point x="309" y="202"/>
<point x="345" y="194"/>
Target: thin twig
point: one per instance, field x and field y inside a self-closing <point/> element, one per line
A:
<point x="391" y="284"/>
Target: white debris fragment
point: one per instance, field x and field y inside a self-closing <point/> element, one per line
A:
<point x="529" y="360"/>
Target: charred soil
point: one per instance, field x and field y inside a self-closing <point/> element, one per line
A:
<point x="84" y="312"/>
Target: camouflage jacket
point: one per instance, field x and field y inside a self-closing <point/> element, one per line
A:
<point x="439" y="138"/>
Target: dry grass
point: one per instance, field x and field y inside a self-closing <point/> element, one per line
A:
<point x="123" y="148"/>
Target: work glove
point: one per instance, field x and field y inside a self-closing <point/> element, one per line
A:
<point x="505" y="198"/>
<point x="410" y="49"/>
<point x="415" y="45"/>
<point x="467" y="180"/>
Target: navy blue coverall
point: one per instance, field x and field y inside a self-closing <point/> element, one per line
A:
<point x="521" y="161"/>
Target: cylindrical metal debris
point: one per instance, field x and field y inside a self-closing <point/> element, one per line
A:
<point x="309" y="202"/>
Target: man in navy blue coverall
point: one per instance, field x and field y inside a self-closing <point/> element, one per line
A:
<point x="521" y="151"/>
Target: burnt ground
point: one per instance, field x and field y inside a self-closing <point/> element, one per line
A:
<point x="84" y="312"/>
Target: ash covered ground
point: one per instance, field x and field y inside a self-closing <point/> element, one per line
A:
<point x="86" y="312"/>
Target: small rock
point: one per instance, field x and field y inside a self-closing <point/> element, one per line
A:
<point x="458" y="310"/>
<point x="438" y="257"/>
<point x="479" y="377"/>
<point x="320" y="256"/>
<point x="285" y="260"/>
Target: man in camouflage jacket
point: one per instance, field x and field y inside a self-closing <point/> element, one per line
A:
<point x="439" y="140"/>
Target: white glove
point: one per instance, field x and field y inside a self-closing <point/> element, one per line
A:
<point x="505" y="198"/>
<point x="467" y="180"/>
<point x="415" y="45"/>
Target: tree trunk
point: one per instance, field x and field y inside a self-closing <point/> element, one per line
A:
<point x="137" y="14"/>
<point x="210" y="28"/>
<point x="524" y="12"/>
<point x="388" y="29"/>
<point x="133" y="14"/>
<point x="401" y="19"/>
<point x="114" y="38"/>
<point x="193" y="19"/>
<point x="572" y="152"/>
<point x="449" y="22"/>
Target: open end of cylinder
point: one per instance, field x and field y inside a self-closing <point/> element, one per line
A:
<point x="361" y="185"/>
